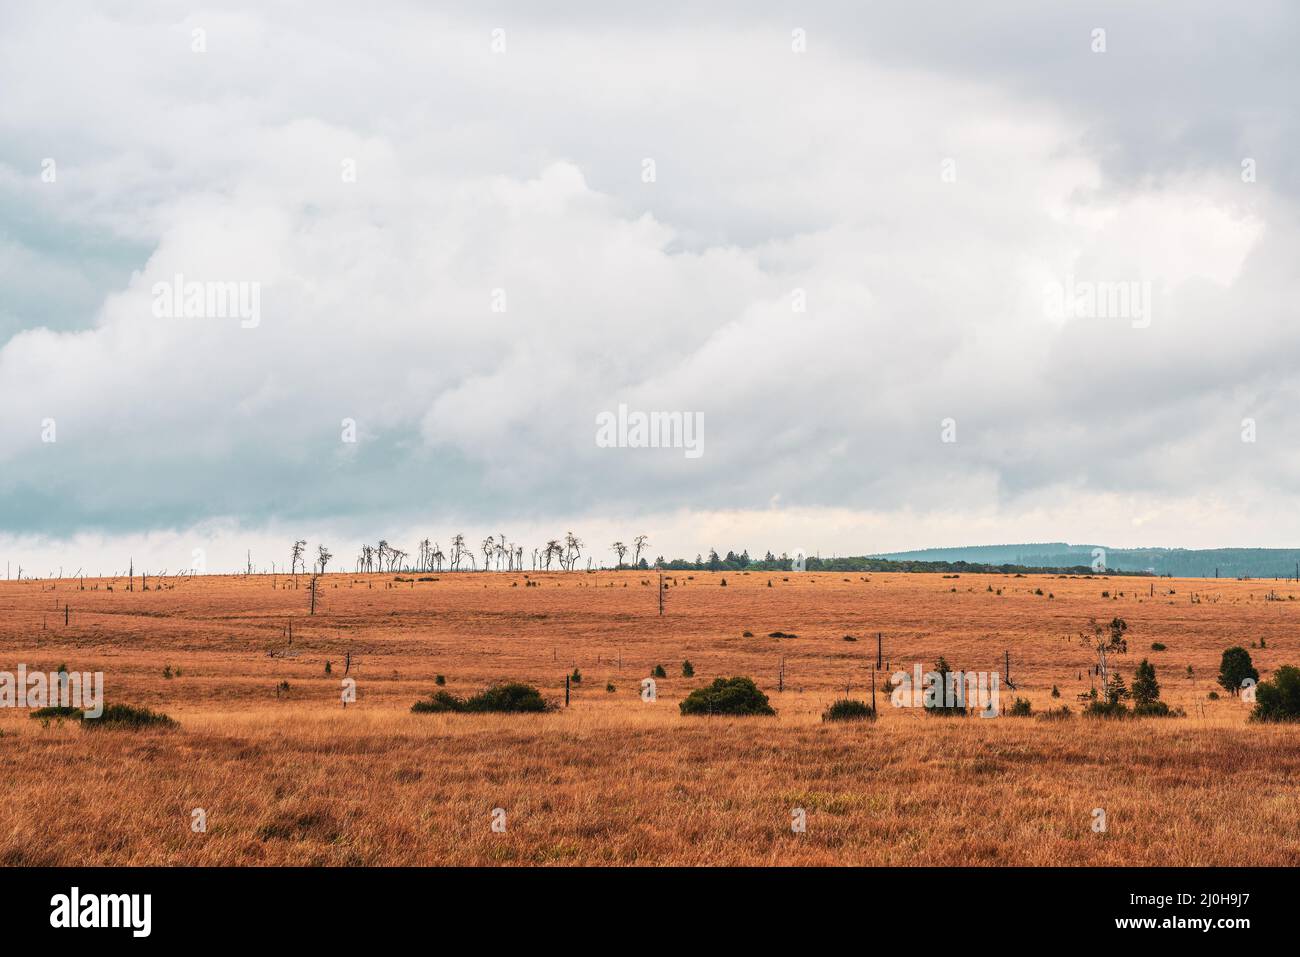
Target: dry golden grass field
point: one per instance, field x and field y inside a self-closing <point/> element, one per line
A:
<point x="292" y="777"/>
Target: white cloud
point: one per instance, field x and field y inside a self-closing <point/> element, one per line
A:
<point x="521" y="172"/>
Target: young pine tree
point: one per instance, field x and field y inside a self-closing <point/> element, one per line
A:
<point x="1146" y="690"/>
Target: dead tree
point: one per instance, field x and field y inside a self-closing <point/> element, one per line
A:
<point x="572" y="549"/>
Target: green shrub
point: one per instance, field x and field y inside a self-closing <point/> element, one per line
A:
<point x="688" y="670"/>
<point x="659" y="672"/>
<point x="1020" y="708"/>
<point x="727" y="696"/>
<point x="847" y="709"/>
<point x="58" y="711"/>
<point x="576" y="677"/>
<point x="511" y="698"/>
<point x="514" y="697"/>
<point x="609" y="686"/>
<point x="1157" y="646"/>
<point x="1213" y="696"/>
<point x="440" y="680"/>
<point x="438" y="701"/>
<point x="1236" y="667"/>
<point x="1278" y="699"/>
<point x="1056" y="692"/>
<point x="1106" y="709"/>
<point x="128" y="717"/>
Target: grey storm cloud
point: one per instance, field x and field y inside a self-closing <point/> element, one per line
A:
<point x="845" y="242"/>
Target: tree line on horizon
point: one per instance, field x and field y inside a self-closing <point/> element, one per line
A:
<point x="500" y="554"/>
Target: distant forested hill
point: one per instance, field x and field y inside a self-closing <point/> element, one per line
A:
<point x="1189" y="562"/>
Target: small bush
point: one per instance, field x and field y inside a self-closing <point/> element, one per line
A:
<point x="1020" y="708"/>
<point x="512" y="698"/>
<point x="727" y="696"/>
<point x="849" y="638"/>
<point x="1278" y="699"/>
<point x="58" y="711"/>
<point x="1213" y="696"/>
<point x="659" y="672"/>
<point x="438" y="701"/>
<point x="609" y="686"/>
<point x="1157" y="646"/>
<point x="128" y="717"/>
<point x="576" y="677"/>
<point x="747" y="634"/>
<point x="1056" y="692"/>
<point x="847" y="709"/>
<point x="1106" y="709"/>
<point x="440" y="680"/>
<point x="688" y="670"/>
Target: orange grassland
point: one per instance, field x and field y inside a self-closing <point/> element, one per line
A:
<point x="292" y="777"/>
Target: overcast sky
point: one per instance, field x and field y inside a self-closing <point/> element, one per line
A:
<point x="831" y="231"/>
